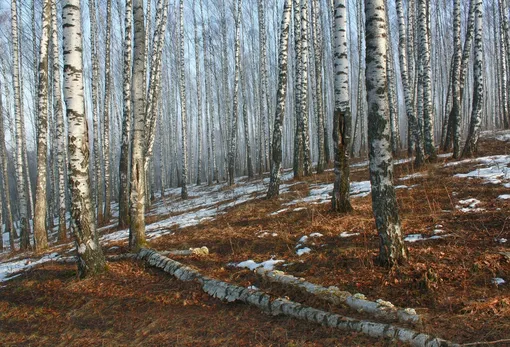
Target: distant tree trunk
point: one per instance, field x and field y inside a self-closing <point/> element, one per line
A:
<point x="319" y="102"/>
<point x="305" y="131"/>
<point x="415" y="132"/>
<point x="125" y="152"/>
<point x="264" y="87"/>
<point x="59" y="116"/>
<point x="90" y="256"/>
<point x="457" y="56"/>
<point x="426" y="68"/>
<point x="235" y="105"/>
<point x="281" y="97"/>
<point x="138" y="173"/>
<point x="41" y="202"/>
<point x="184" y="119"/>
<point x="209" y="103"/>
<point x="392" y="93"/>
<point x="98" y="184"/>
<point x="360" y="108"/>
<point x="199" y="96"/>
<point x="9" y="225"/>
<point x="298" y="85"/>
<point x="478" y="89"/>
<point x="106" y="115"/>
<point x="384" y="203"/>
<point x="342" y="115"/>
<point x="20" y="135"/>
<point x="249" y="162"/>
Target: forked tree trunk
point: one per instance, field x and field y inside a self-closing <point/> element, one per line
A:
<point x="478" y="88"/>
<point x="281" y="97"/>
<point x="90" y="256"/>
<point x="384" y="203"/>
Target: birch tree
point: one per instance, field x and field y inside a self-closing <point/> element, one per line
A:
<point x="478" y="88"/>
<point x="106" y="115"/>
<point x="235" y="106"/>
<point x="83" y="224"/>
<point x="342" y="114"/>
<point x="457" y="56"/>
<point x="184" y="120"/>
<point x="281" y="97"/>
<point x="41" y="202"/>
<point x="384" y="203"/>
<point x="59" y="116"/>
<point x="199" y="95"/>
<point x="138" y="173"/>
<point x="125" y="152"/>
<point x="9" y="225"/>
<point x="20" y="136"/>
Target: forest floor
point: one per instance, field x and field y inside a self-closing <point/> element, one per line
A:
<point x="455" y="215"/>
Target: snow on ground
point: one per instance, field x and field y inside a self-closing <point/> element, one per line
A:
<point x="421" y="237"/>
<point x="492" y="169"/>
<point x="302" y="251"/>
<point x="12" y="267"/>
<point x="345" y="234"/>
<point x="498" y="281"/>
<point x="252" y="265"/>
<point x="504" y="197"/>
<point x="412" y="176"/>
<point x="469" y="205"/>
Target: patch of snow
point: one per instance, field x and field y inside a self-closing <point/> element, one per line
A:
<point x="252" y="265"/>
<point x="493" y="169"/>
<point x="501" y="240"/>
<point x="299" y="209"/>
<point x="8" y="269"/>
<point x="346" y="234"/>
<point x="421" y="237"/>
<point x="498" y="281"/>
<point x="415" y="175"/>
<point x="469" y="205"/>
<point x="302" y="251"/>
<point x="504" y="137"/>
<point x="504" y="197"/>
<point x="445" y="155"/>
<point x="316" y="235"/>
<point x="279" y="211"/>
<point x="303" y="239"/>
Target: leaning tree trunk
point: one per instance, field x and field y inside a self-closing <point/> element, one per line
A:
<point x="184" y="117"/>
<point x="235" y="105"/>
<point x="20" y="136"/>
<point x="138" y="173"/>
<point x="59" y="116"/>
<point x="384" y="203"/>
<point x="9" y="225"/>
<point x="125" y="151"/>
<point x="41" y="202"/>
<point x="281" y="97"/>
<point x="342" y="114"/>
<point x="478" y="88"/>
<point x="90" y="256"/>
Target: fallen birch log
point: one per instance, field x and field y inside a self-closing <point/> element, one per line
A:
<point x="279" y="306"/>
<point x="379" y="309"/>
<point x="201" y="251"/>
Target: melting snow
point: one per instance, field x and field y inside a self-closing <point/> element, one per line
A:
<point x="504" y="197"/>
<point x="415" y="175"/>
<point x="267" y="265"/>
<point x="346" y="234"/>
<point x="469" y="205"/>
<point x="302" y="251"/>
<point x="12" y="267"/>
<point x="498" y="281"/>
<point x="421" y="237"/>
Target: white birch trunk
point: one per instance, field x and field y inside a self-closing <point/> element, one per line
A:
<point x="83" y="224"/>
<point x="281" y="97"/>
<point x="384" y="204"/>
<point x="138" y="172"/>
<point x="184" y="119"/>
<point x="41" y="202"/>
<point x="342" y="114"/>
<point x="106" y="115"/>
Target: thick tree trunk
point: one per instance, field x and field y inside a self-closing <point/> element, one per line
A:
<point x="91" y="259"/>
<point x="235" y="106"/>
<point x="125" y="152"/>
<point x="342" y="114"/>
<point x="281" y="97"/>
<point x="138" y="172"/>
<point x="384" y="203"/>
<point x="457" y="56"/>
<point x="41" y="202"/>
